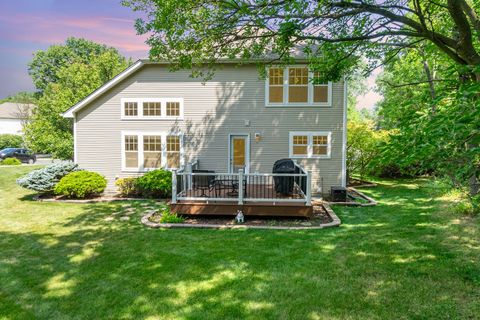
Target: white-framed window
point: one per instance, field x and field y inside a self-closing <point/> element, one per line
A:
<point x="149" y="150"/>
<point x="308" y="144"/>
<point x="294" y="86"/>
<point x="151" y="108"/>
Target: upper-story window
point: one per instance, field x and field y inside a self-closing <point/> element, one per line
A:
<point x="152" y="108"/>
<point x="294" y="86"/>
<point x="173" y="109"/>
<point x="130" y="109"/>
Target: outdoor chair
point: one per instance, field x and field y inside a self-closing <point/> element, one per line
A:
<point x="203" y="182"/>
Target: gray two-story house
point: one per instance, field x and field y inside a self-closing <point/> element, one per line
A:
<point x="148" y="117"/>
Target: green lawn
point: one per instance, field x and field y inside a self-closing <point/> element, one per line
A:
<point x="406" y="258"/>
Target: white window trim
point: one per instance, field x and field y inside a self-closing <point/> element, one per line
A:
<point x="140" y="134"/>
<point x="310" y="102"/>
<point x="140" y="102"/>
<point x="310" y="135"/>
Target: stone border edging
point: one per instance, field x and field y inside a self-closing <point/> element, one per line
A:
<point x="365" y="185"/>
<point x="146" y="221"/>
<point x="371" y="202"/>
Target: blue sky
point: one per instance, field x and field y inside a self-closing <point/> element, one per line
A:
<point x="27" y="26"/>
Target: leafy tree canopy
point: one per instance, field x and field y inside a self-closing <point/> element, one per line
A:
<point x="21" y="97"/>
<point x="46" y="64"/>
<point x="333" y="34"/>
<point x="67" y="84"/>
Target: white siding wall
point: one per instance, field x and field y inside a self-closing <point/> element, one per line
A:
<point x="12" y="126"/>
<point x="212" y="111"/>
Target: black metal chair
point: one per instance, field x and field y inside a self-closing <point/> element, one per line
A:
<point x="203" y="182"/>
<point x="230" y="185"/>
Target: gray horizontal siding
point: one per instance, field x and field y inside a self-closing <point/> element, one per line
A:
<point x="212" y="111"/>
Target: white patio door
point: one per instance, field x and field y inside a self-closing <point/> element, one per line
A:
<point x="239" y="152"/>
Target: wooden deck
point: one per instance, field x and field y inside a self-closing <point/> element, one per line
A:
<point x="210" y="206"/>
<point x="248" y="209"/>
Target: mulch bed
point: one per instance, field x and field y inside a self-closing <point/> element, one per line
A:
<point x="320" y="217"/>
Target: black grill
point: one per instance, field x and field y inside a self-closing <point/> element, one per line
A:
<point x="284" y="185"/>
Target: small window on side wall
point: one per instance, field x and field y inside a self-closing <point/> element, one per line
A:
<point x="300" y="145"/>
<point x="310" y="144"/>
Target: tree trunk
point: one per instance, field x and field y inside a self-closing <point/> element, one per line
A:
<point x="431" y="85"/>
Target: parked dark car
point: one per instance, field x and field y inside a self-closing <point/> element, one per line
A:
<point x="24" y="155"/>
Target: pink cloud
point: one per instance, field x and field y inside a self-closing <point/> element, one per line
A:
<point x="115" y="32"/>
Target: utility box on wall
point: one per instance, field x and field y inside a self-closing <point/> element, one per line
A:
<point x="338" y="194"/>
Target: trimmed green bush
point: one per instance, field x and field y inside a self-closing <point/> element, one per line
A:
<point x="10" y="141"/>
<point x="10" y="162"/>
<point x="81" y="184"/>
<point x="156" y="183"/>
<point x="128" y="187"/>
<point x="45" y="179"/>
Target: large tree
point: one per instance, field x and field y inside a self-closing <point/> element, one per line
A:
<point x="62" y="85"/>
<point x="189" y="31"/>
<point x="45" y="65"/>
<point x="334" y="34"/>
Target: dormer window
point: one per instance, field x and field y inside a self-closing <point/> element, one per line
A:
<point x="293" y="86"/>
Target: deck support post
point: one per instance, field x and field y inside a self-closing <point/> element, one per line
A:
<point x="308" y="200"/>
<point x="174" y="186"/>
<point x="240" y="186"/>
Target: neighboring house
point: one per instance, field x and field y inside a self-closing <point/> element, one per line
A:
<point x="148" y="117"/>
<point x="12" y="117"/>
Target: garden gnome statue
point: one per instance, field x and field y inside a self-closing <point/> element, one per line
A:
<point x="239" y="217"/>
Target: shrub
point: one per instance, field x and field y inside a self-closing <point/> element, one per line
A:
<point x="169" y="217"/>
<point x="10" y="162"/>
<point x="156" y="183"/>
<point x="128" y="187"/>
<point x="10" y="141"/>
<point x="468" y="206"/>
<point x="45" y="179"/>
<point x="81" y="184"/>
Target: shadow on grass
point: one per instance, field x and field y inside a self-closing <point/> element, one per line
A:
<point x="103" y="263"/>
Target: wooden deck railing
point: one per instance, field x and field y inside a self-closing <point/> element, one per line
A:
<point x="192" y="184"/>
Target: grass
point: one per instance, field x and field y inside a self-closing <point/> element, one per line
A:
<point x="408" y="257"/>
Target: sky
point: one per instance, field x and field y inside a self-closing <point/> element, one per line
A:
<point x="27" y="26"/>
<point x="369" y="100"/>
